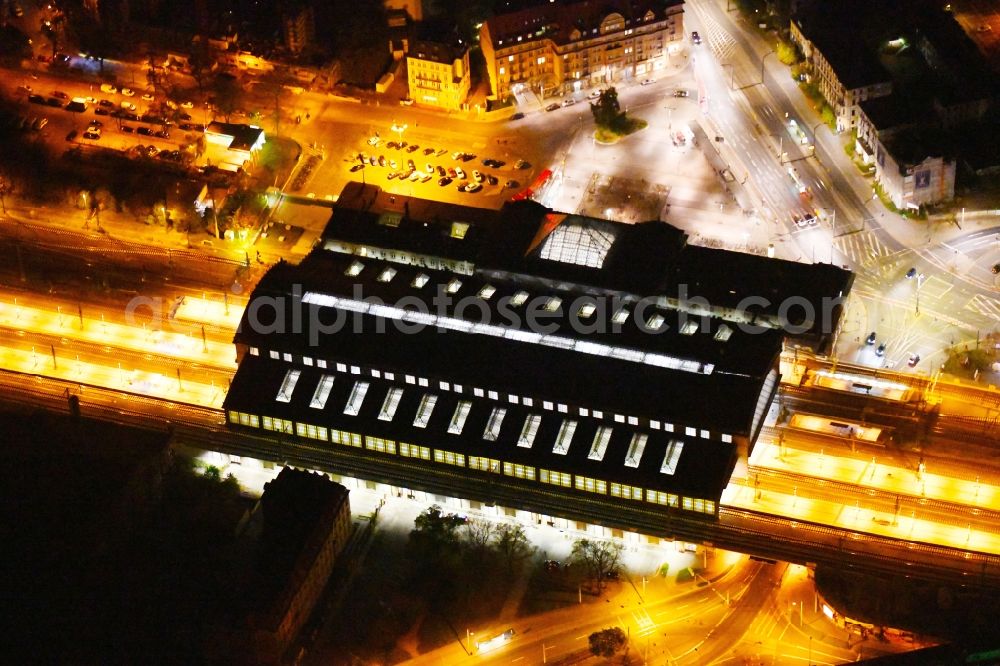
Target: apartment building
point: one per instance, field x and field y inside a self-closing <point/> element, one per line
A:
<point x="437" y="73"/>
<point x="568" y="45"/>
<point x="846" y="73"/>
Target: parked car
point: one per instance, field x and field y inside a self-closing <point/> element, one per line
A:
<point x="187" y="105"/>
<point x="145" y="131"/>
<point x="147" y="97"/>
<point x="36" y="99"/>
<point x="106" y="103"/>
<point x="163" y="134"/>
<point x="517" y="116"/>
<point x="880" y="350"/>
<point x="552" y="107"/>
<point x="473" y="187"/>
<point x="413" y="148"/>
<point x="93" y="136"/>
<point x="406" y="102"/>
<point x="512" y="184"/>
<point x="521" y="164"/>
<point x="460" y="173"/>
<point x="914" y="359"/>
<point x="569" y="101"/>
<point x="444" y="180"/>
<point x="491" y="179"/>
<point x="646" y="82"/>
<point x="128" y="92"/>
<point x="695" y="37"/>
<point x="101" y="112"/>
<point x="428" y="151"/>
<point x="870" y="340"/>
<point x="594" y="94"/>
<point x="59" y="94"/>
<point x="477" y="175"/>
<point x="912" y="273"/>
<point x="356" y="167"/>
<point x="108" y="88"/>
<point x="995" y="269"/>
<point x="681" y="93"/>
<point x="129" y="106"/>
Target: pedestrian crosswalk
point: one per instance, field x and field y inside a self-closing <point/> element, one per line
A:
<point x="644" y="623"/>
<point x="719" y="40"/>
<point x="861" y="249"/>
<point x="985" y="305"/>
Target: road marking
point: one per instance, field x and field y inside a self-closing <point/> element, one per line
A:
<point x="984" y="305"/>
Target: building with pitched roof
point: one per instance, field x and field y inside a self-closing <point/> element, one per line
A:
<point x="437" y="73"/>
<point x="567" y="45"/>
<point x="538" y="352"/>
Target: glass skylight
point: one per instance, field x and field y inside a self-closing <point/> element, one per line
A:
<point x="458" y="418"/>
<point x="600" y="444"/>
<point x="357" y="397"/>
<point x="635" y="449"/>
<point x="355" y="268"/>
<point x="672" y="456"/>
<point x="529" y="431"/>
<point x="390" y="404"/>
<point x="287" y="386"/>
<point x="493" y="425"/>
<point x="322" y="392"/>
<point x="424" y="410"/>
<point x="565" y="437"/>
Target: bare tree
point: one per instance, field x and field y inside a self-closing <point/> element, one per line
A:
<point x="479" y="533"/>
<point x="600" y="558"/>
<point x="513" y="544"/>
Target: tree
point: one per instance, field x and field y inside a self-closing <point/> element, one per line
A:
<point x="228" y="94"/>
<point x="600" y="558"/>
<point x="607" y="642"/>
<point x="513" y="544"/>
<point x="787" y="54"/>
<point x="201" y="60"/>
<point x="606" y="109"/>
<point x="435" y="530"/>
<point x="479" y="533"/>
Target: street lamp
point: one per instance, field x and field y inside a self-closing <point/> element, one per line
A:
<point x="399" y="128"/>
<point x="732" y="75"/>
<point x="762" y="65"/>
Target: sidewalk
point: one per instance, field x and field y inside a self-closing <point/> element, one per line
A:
<point x="806" y="612"/>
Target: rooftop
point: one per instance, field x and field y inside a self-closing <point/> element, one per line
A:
<point x="244" y="137"/>
<point x="556" y="20"/>
<point x="477" y="422"/>
<point x="553" y="343"/>
<point x="294" y="505"/>
<point x="525" y="240"/>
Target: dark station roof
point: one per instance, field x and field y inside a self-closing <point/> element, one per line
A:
<point x="707" y="373"/>
<point x="534" y="243"/>
<point x="700" y="467"/>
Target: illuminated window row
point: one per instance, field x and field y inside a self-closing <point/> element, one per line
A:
<point x="449" y="458"/>
<point x="414" y="451"/>
<point x="483" y="464"/>
<point x="590" y="485"/>
<point x="311" y="432"/>
<point x="626" y="491"/>
<point x="345" y="438"/>
<point x="519" y="471"/>
<point x="277" y="425"/>
<point x="380" y="445"/>
<point x="244" y="419"/>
